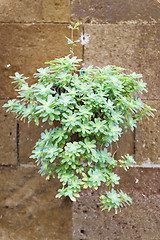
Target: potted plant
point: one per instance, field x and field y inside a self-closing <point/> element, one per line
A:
<point x="92" y="107"/>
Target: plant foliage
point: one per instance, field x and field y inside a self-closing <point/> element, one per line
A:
<point x="92" y="106"/>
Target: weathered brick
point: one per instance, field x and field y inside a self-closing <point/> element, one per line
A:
<point x="35" y="11"/>
<point x="28" y="136"/>
<point x="8" y="142"/>
<point x="20" y="11"/>
<point x="56" y="11"/>
<point x="25" y="47"/>
<point x="125" y="145"/>
<point x="138" y="221"/>
<point x="29" y="209"/>
<point x="147" y="138"/>
<point x="108" y="11"/>
<point x="134" y="47"/>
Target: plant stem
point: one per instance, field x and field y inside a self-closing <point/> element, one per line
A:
<point x="72" y="43"/>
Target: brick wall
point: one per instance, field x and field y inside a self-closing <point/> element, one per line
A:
<point x="125" y="33"/>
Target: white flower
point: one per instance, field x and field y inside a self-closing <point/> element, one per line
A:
<point x="136" y="181"/>
<point x="84" y="38"/>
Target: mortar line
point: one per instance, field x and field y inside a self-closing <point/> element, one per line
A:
<point x="134" y="145"/>
<point x="70" y="10"/>
<point x="91" y="24"/>
<point x="83" y="46"/>
<point x="56" y="23"/>
<point x="18" y="162"/>
<point x="13" y="166"/>
<point x="145" y="166"/>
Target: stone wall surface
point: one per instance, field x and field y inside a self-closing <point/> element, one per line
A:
<point x="56" y="11"/>
<point x="108" y="11"/>
<point x="147" y="137"/>
<point x="131" y="46"/>
<point x="140" y="221"/>
<point x="28" y="136"/>
<point x="25" y="47"/>
<point x="8" y="141"/>
<point x="125" y="145"/>
<point x="29" y="209"/>
<point x="35" y="11"/>
<point x="125" y="33"/>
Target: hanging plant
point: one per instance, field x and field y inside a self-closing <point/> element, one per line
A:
<point x="91" y="107"/>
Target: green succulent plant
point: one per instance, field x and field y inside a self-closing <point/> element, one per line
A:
<point x="93" y="106"/>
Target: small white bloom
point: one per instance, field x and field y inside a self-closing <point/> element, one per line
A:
<point x="8" y="65"/>
<point x="136" y="180"/>
<point x="84" y="38"/>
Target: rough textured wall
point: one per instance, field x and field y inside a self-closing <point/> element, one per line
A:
<point x="31" y="33"/>
<point x="126" y="33"/>
<point x="122" y="32"/>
